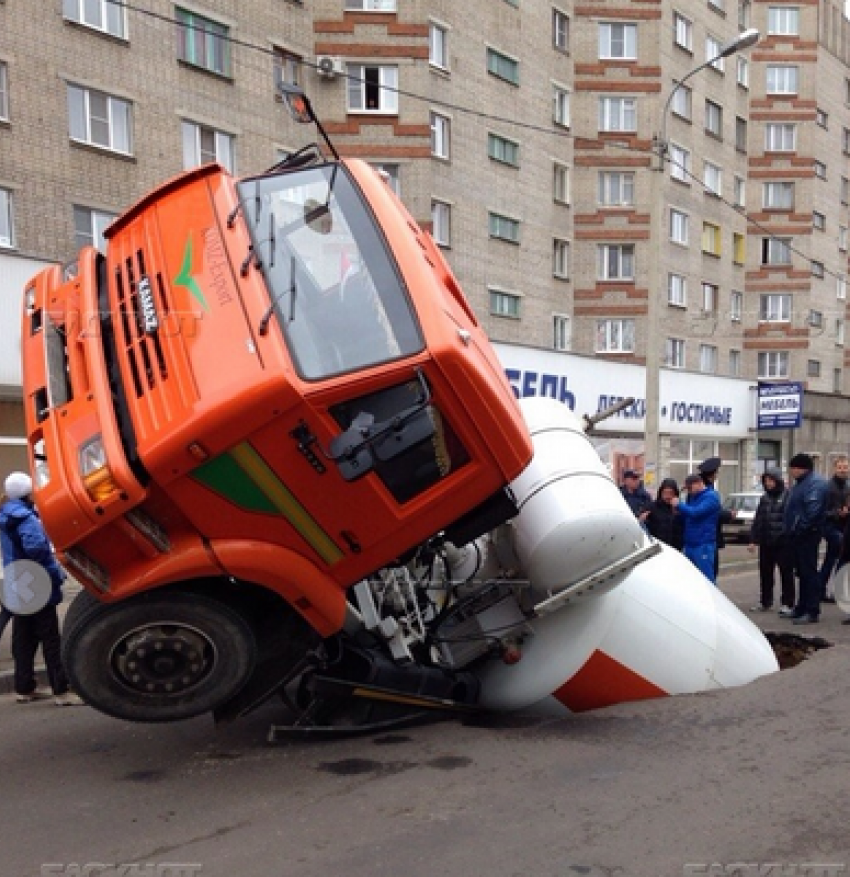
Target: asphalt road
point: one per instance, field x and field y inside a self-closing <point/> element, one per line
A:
<point x="754" y="775"/>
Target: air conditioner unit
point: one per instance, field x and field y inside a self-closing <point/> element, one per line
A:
<point x="329" y="66"/>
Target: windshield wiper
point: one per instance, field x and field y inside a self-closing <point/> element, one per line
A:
<point x="263" y="326"/>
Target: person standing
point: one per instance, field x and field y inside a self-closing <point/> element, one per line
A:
<point x="22" y="537"/>
<point x="661" y="518"/>
<point x="709" y="470"/>
<point x="700" y="514"/>
<point x="803" y="521"/>
<point x="836" y="518"/>
<point x="634" y="493"/>
<point x="768" y="536"/>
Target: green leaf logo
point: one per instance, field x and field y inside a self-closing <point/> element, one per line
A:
<point x="184" y="278"/>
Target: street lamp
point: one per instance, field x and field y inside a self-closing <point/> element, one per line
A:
<point x="652" y="449"/>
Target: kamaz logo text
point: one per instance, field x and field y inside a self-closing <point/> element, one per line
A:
<point x="149" y="314"/>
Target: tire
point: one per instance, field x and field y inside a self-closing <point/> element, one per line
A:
<point x="159" y="657"/>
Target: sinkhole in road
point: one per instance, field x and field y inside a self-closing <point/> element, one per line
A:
<point x="791" y="648"/>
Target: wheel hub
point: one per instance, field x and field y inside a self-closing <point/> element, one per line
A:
<point x="163" y="659"/>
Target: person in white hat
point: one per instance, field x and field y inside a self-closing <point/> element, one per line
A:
<point x="22" y="538"/>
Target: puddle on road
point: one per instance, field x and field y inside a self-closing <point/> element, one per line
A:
<point x="792" y="649"/>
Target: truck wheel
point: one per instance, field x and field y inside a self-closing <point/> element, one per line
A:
<point x="158" y="657"/>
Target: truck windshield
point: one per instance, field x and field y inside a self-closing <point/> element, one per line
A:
<point x="332" y="284"/>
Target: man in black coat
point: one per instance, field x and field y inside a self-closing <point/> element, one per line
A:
<point x="836" y="518"/>
<point x="634" y="493"/>
<point x="768" y="534"/>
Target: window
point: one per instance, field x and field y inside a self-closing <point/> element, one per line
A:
<point x="783" y="20"/>
<point x="736" y="306"/>
<point x="818" y="220"/>
<point x="841" y="287"/>
<point x="561" y="183"/>
<point x="817" y="269"/>
<point x="837" y="374"/>
<point x="822" y="118"/>
<point x="674" y="352"/>
<point x="390" y="174"/>
<point x="560" y="30"/>
<point x="440" y="136"/>
<point x="739" y="248"/>
<point x="778" y="196"/>
<point x="504" y="304"/>
<point x="839" y="332"/>
<point x="812" y="368"/>
<point x="816" y="319"/>
<point x="739" y="195"/>
<point x="617" y="40"/>
<point x="680" y="163"/>
<point x="4" y="90"/>
<point x="820" y="170"/>
<point x="615" y="261"/>
<point x="707" y="359"/>
<point x="561" y="259"/>
<point x="717" y="5"/>
<point x="773" y="364"/>
<point x="677" y="290"/>
<point x="370" y="5"/>
<point x="202" y="144"/>
<point x="562" y="332"/>
<point x="680" y="103"/>
<point x="441" y="223"/>
<point x="7" y="236"/>
<point x="845" y="141"/>
<point x="679" y="226"/>
<point x="561" y="106"/>
<point x="438" y="45"/>
<point x="503" y="150"/>
<point x="734" y="363"/>
<point x="776" y="251"/>
<point x="780" y="137"/>
<point x="744" y="14"/>
<point x="617" y="114"/>
<point x="616" y="188"/>
<point x="683" y="31"/>
<point x="102" y="15"/>
<point x="712" y="178"/>
<point x="842" y="238"/>
<point x="615" y="336"/>
<point x="740" y="134"/>
<point x="711" y="238"/>
<point x="782" y="79"/>
<point x="286" y="67"/>
<point x="713" y="119"/>
<point x="775" y="308"/>
<point x="844" y="191"/>
<point x="710" y="297"/>
<point x="372" y="89"/>
<point x="742" y="71"/>
<point x="99" y="119"/>
<point x="504" y="227"/>
<point x="712" y="53"/>
<point x="502" y="67"/>
<point x="88" y="227"/>
<point x="203" y="42"/>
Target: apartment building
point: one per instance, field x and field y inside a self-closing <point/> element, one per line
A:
<point x="520" y="132"/>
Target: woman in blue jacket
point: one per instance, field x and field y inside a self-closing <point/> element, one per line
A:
<point x="700" y="515"/>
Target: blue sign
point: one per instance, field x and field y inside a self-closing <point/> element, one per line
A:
<point x="780" y="406"/>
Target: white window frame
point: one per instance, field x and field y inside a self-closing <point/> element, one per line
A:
<point x="742" y="71"/>
<point x="820" y="169"/>
<point x="617" y="114"/>
<point x="560" y="30"/>
<point x="778" y="195"/>
<point x="503" y="303"/>
<point x="618" y="40"/>
<point x="562" y="332"/>
<point x="713" y="118"/>
<point x="708" y="359"/>
<point x="782" y="79"/>
<point x="739" y="195"/>
<point x="390" y="173"/>
<point x="681" y="103"/>
<point x="438" y="45"/>
<point x="680" y="163"/>
<point x="117" y="121"/>
<point x="784" y="20"/>
<point x="843" y="238"/>
<point x="712" y="177"/>
<point x="677" y="290"/>
<point x="736" y="305"/>
<point x="841" y="287"/>
<point x="561" y="182"/>
<point x="196" y="152"/>
<point x="817" y="268"/>
<point x="710" y="294"/>
<point x="776" y="251"/>
<point x="775" y="307"/>
<point x="7" y="219"/>
<point x="375" y="83"/>
<point x="96" y="222"/>
<point x="780" y="137"/>
<point x="712" y="50"/>
<point x="441" y="135"/>
<point x="615" y="336"/>
<point x="286" y="67"/>
<point x="616" y="188"/>
<point x="441" y="222"/>
<point x="502" y="227"/>
<point x="561" y="105"/>
<point x="818" y="220"/>
<point x="561" y="258"/>
<point x="203" y="42"/>
<point x="839" y="332"/>
<point x="772" y="364"/>
<point x="683" y="31"/>
<point x="675" y="350"/>
<point x="680" y="226"/>
<point x="371" y="6"/>
<point x="502" y="149"/>
<point x="734" y="363"/>
<point x="502" y="66"/>
<point x="615" y="262"/>
<point x="102" y="15"/>
<point x="4" y="91"/>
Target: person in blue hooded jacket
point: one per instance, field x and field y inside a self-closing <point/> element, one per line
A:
<point x="22" y="537"/>
<point x="700" y="515"/>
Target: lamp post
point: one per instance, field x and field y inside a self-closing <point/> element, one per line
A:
<point x="652" y="449"/>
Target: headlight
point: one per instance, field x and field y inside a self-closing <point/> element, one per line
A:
<point x="94" y="469"/>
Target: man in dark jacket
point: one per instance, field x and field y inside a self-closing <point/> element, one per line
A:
<point x="661" y="518"/>
<point x="836" y="518"/>
<point x="768" y="535"/>
<point x="22" y="538"/>
<point x="700" y="515"/>
<point x="634" y="493"/>
<point x="803" y="521"/>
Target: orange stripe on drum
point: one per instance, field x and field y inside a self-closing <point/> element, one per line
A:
<point x="603" y="681"/>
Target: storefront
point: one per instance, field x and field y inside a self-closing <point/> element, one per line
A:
<point x="701" y="416"/>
